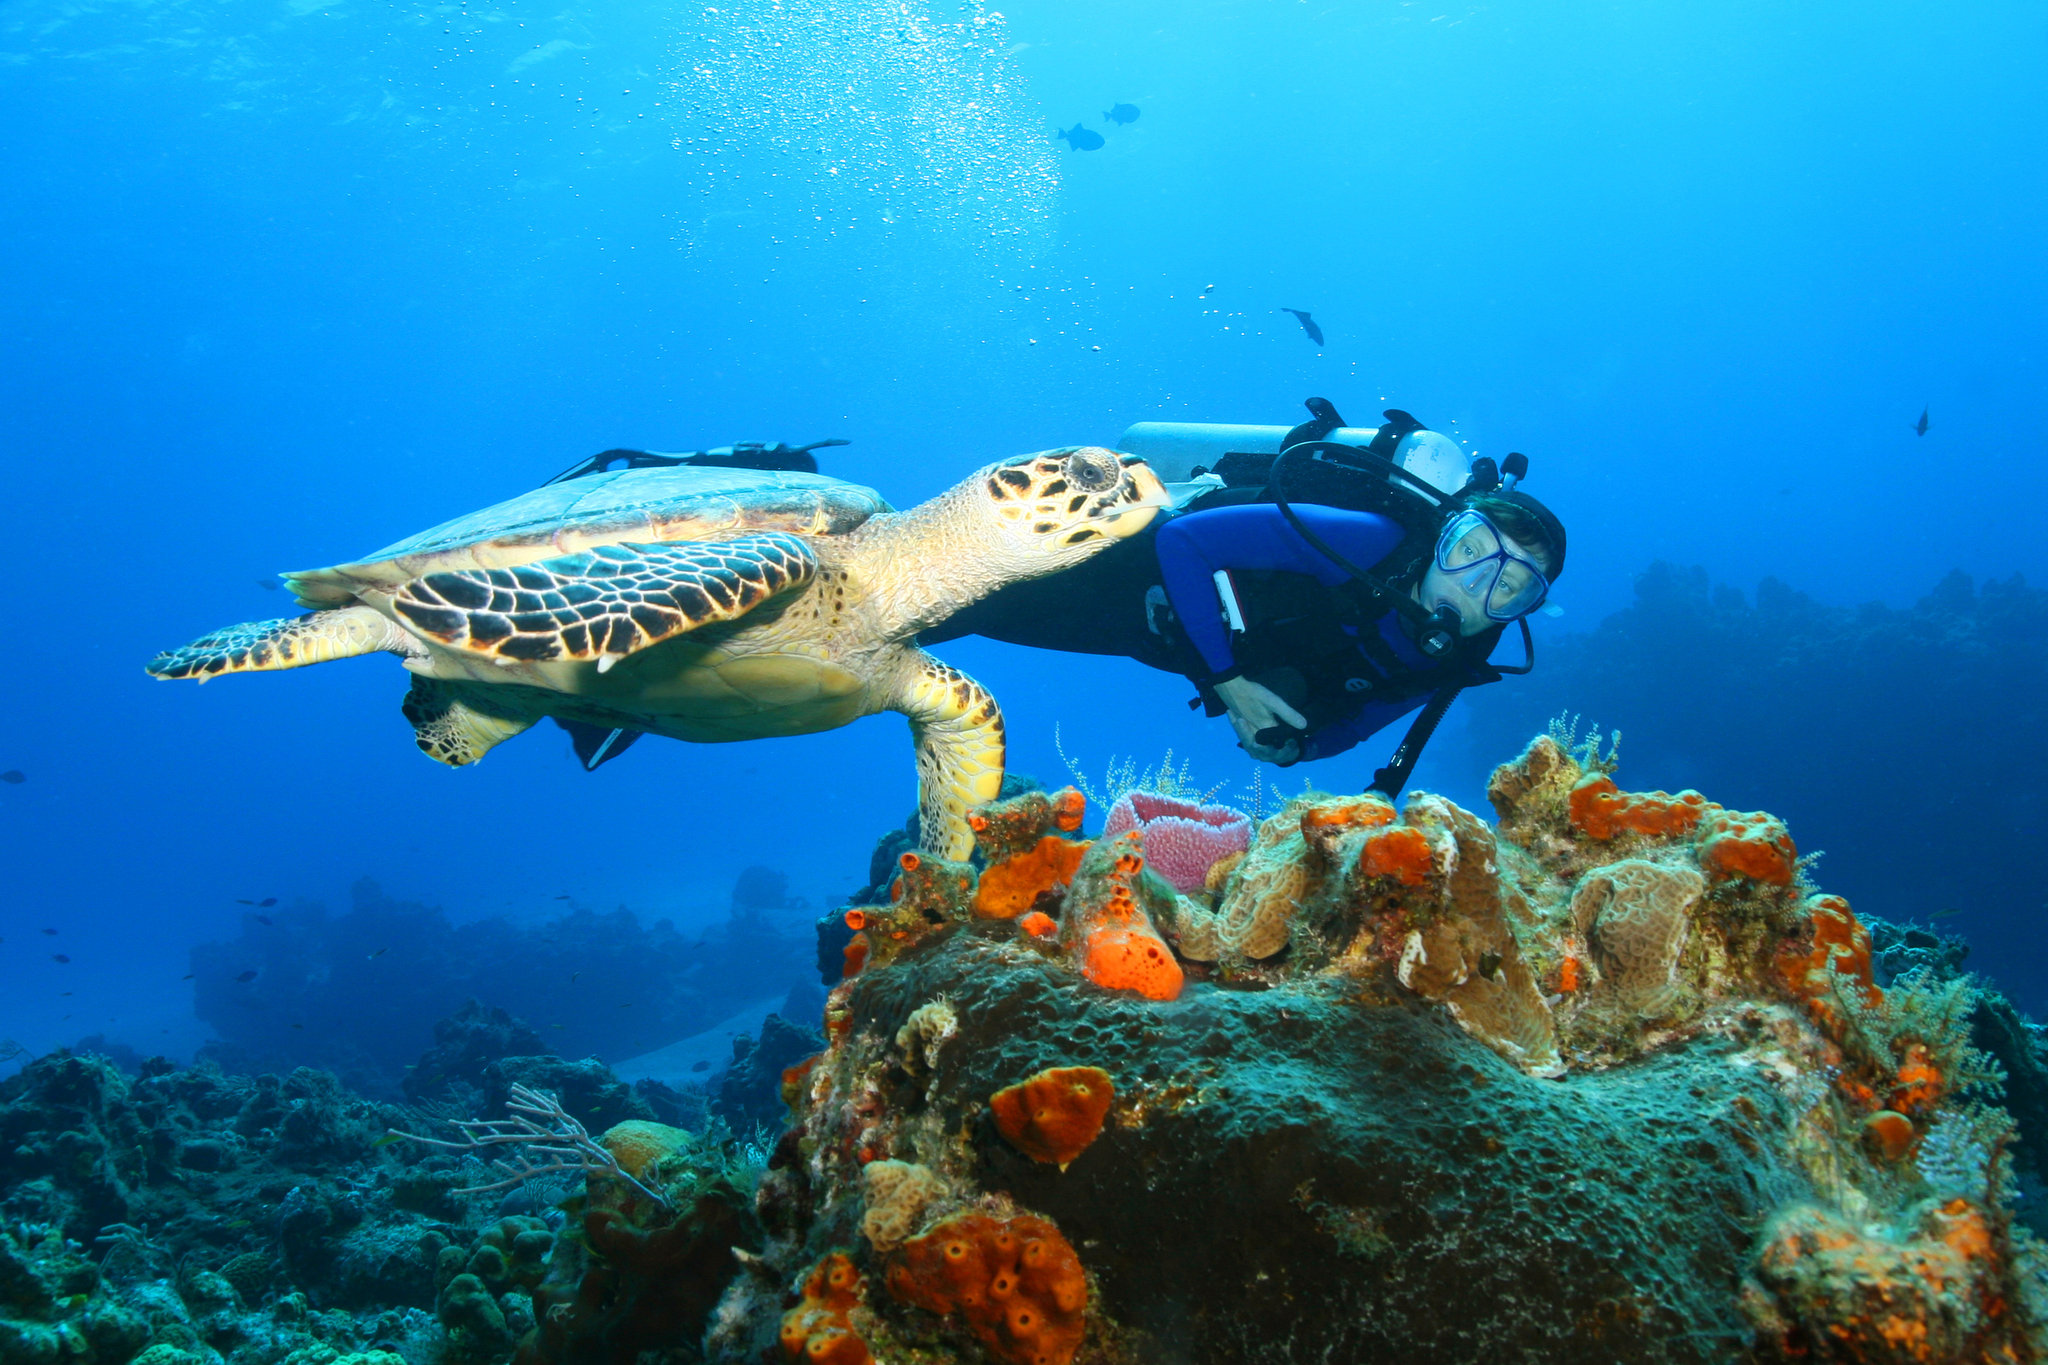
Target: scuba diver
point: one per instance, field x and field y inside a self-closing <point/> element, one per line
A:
<point x="1315" y="586"/>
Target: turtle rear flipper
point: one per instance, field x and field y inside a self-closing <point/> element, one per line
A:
<point x="263" y="646"/>
<point x="604" y="603"/>
<point x="450" y="729"/>
<point x="958" y="730"/>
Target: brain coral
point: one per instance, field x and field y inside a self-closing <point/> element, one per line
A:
<point x="895" y="1195"/>
<point x="1636" y="914"/>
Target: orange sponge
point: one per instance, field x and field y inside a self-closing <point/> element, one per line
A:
<point x="1840" y="942"/>
<point x="1747" y="844"/>
<point x="1919" y="1085"/>
<point x="1401" y="853"/>
<point x="1054" y="1115"/>
<point x="1601" y="810"/>
<point x="819" y="1330"/>
<point x="1888" y="1135"/>
<point x="1013" y="886"/>
<point x="1015" y="1282"/>
<point x="1114" y="942"/>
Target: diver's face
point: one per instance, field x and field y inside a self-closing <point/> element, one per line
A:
<point x="1482" y="574"/>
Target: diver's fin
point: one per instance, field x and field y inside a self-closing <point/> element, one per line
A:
<point x="597" y="745"/>
<point x="263" y="646"/>
<point x="449" y="729"/>
<point x="604" y="603"/>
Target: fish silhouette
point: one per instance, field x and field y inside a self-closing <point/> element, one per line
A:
<point x="14" y="777"/>
<point x="247" y="976"/>
<point x="1920" y="427"/>
<point x="1308" y="324"/>
<point x="1080" y="139"/>
<point x="59" y="957"/>
<point x="1120" y="114"/>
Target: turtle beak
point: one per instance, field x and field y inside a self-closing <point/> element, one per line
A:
<point x="1141" y="497"/>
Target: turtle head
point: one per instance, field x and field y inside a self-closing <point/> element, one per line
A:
<point x="1052" y="510"/>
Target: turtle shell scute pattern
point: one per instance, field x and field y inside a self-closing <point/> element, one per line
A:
<point x="604" y="602"/>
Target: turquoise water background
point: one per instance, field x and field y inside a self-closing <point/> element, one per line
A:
<point x="283" y="282"/>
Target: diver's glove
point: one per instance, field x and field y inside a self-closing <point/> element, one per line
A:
<point x="1267" y="728"/>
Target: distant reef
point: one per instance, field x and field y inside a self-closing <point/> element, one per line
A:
<point x="359" y="993"/>
<point x="182" y="1216"/>
<point x="1907" y="743"/>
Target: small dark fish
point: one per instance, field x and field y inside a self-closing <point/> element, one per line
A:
<point x="1308" y="324"/>
<point x="265" y="919"/>
<point x="67" y="992"/>
<point x="59" y="957"/>
<point x="1944" y="914"/>
<point x="266" y="903"/>
<point x="268" y="584"/>
<point x="188" y="976"/>
<point x="1079" y="139"/>
<point x="379" y="953"/>
<point x="700" y="1066"/>
<point x="574" y="975"/>
<point x="1121" y="114"/>
<point x="51" y="932"/>
<point x="247" y="976"/>
<point x="14" y="777"/>
<point x="240" y="901"/>
<point x="298" y="1025"/>
<point x="564" y="896"/>
<point x="1920" y="427"/>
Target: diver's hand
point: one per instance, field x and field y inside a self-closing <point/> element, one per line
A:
<point x="1267" y="728"/>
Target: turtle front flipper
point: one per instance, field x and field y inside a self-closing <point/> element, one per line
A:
<point x="450" y="729"/>
<point x="263" y="646"/>
<point x="958" y="730"/>
<point x="603" y="603"/>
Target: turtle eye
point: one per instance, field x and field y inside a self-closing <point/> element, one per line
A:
<point x="1093" y="470"/>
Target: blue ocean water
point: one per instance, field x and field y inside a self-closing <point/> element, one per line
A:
<point x="287" y="281"/>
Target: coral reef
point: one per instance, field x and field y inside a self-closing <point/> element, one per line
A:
<point x="1771" y="698"/>
<point x="1602" y="1080"/>
<point x="184" y="1217"/>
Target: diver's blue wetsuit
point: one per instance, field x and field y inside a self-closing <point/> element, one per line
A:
<point x="1257" y="536"/>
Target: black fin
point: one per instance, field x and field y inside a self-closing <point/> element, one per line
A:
<point x="597" y="745"/>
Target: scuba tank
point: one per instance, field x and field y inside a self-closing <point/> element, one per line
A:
<point x="1182" y="452"/>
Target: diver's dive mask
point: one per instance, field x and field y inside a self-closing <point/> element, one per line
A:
<point x="1489" y="568"/>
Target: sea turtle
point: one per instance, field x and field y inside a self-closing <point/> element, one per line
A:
<point x="706" y="604"/>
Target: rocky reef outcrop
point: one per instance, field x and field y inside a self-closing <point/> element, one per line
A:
<point x="1604" y="1079"/>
